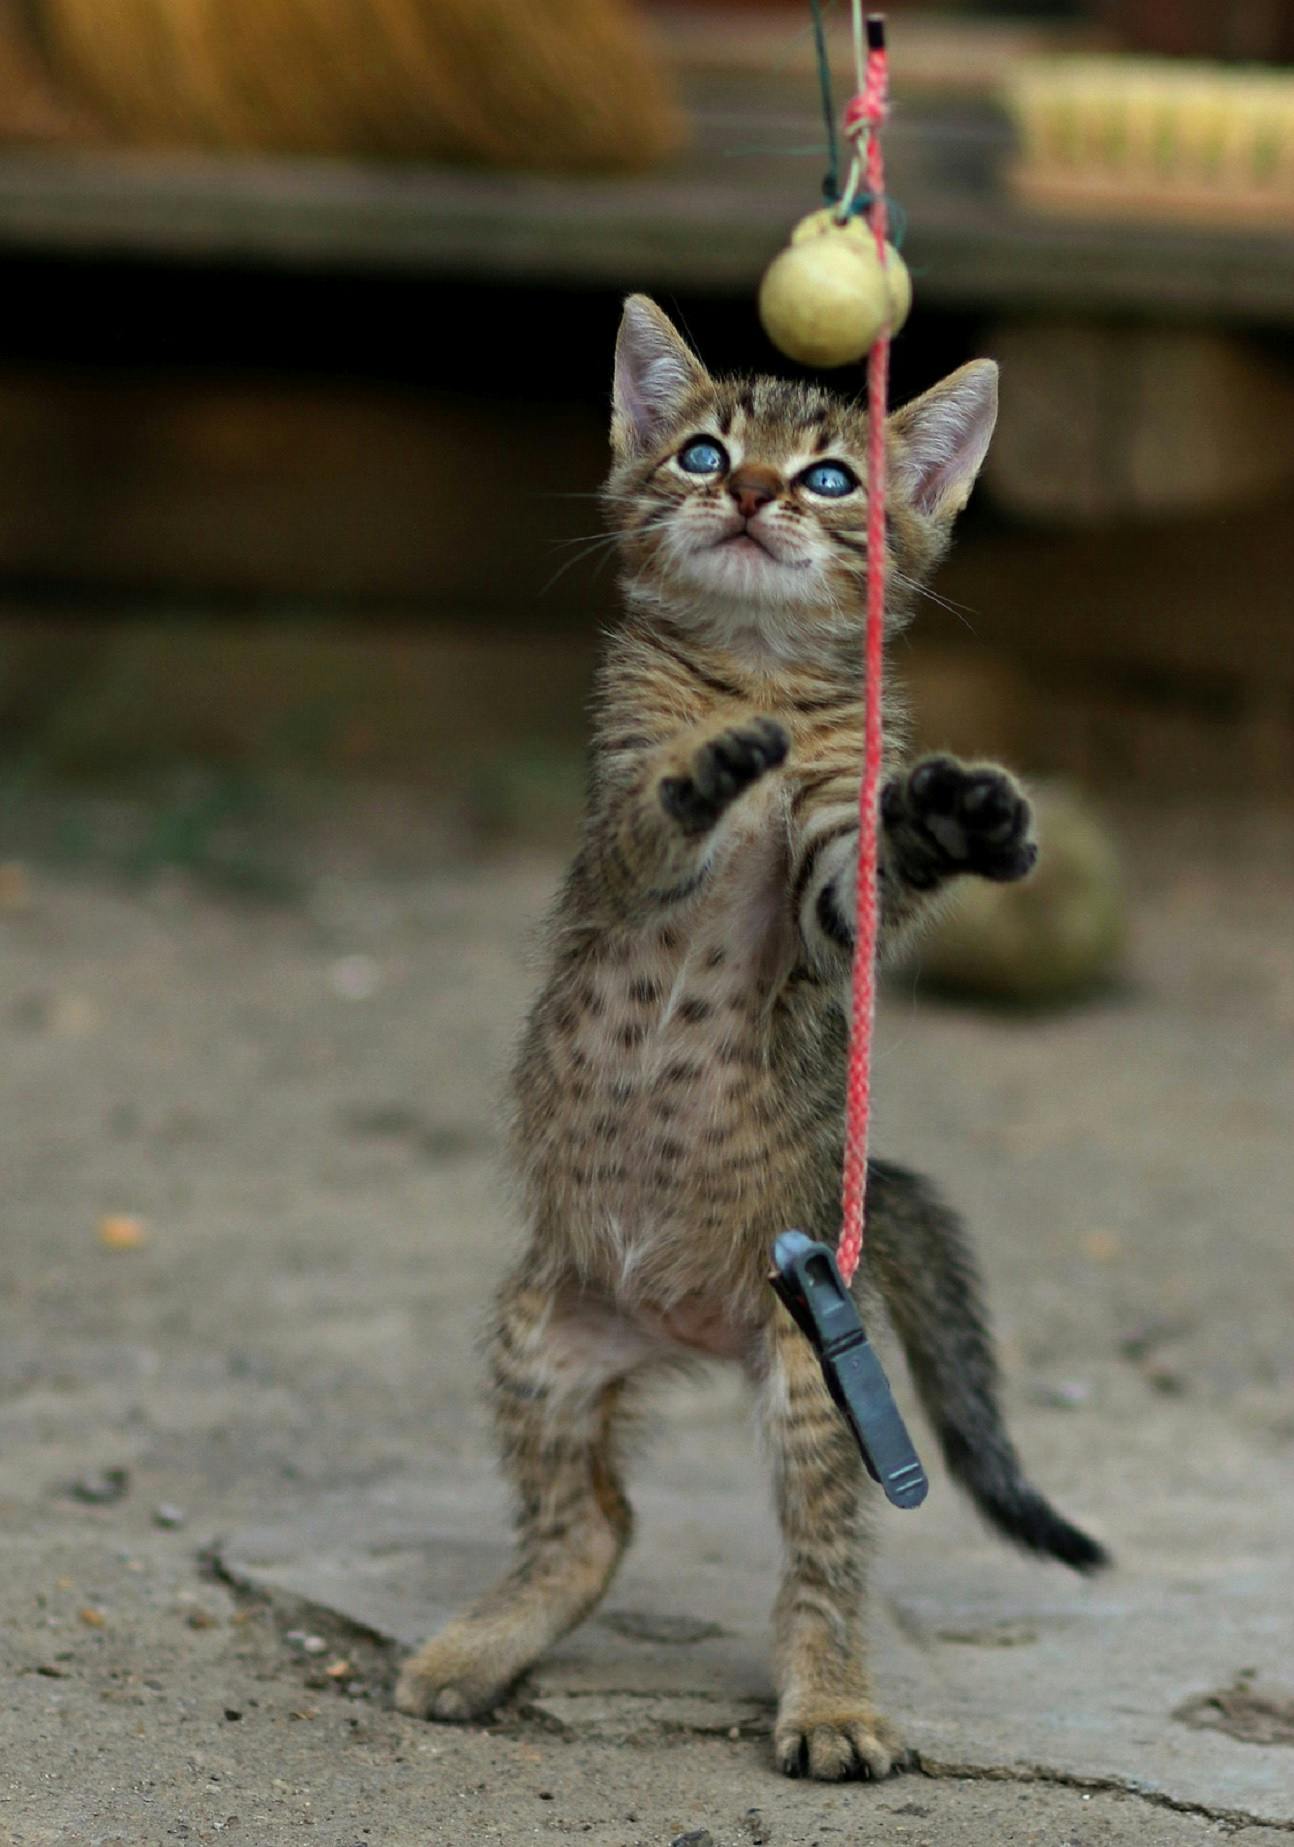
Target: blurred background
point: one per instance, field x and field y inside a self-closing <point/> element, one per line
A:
<point x="307" y="310"/>
<point x="305" y="344"/>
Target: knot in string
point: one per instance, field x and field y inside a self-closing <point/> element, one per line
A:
<point x="869" y="109"/>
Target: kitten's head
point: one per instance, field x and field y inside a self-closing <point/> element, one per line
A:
<point x="740" y="502"/>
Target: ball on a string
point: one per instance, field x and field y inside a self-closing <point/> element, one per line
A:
<point x="827" y="298"/>
<point x="898" y="281"/>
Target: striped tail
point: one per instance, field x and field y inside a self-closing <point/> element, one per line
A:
<point x="919" y="1256"/>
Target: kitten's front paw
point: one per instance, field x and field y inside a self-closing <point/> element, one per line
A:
<point x="721" y="770"/>
<point x="450" y="1678"/>
<point x="831" y="1743"/>
<point x="965" y="818"/>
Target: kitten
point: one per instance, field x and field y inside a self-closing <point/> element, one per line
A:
<point x="679" y="1089"/>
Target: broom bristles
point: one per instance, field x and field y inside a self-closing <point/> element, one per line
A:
<point x="559" y="84"/>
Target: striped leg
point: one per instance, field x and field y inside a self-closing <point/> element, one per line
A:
<point x="557" y="1383"/>
<point x="826" y="1725"/>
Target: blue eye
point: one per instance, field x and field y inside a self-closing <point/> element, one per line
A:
<point x="702" y="457"/>
<point x="831" y="479"/>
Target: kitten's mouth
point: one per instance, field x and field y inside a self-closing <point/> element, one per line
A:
<point x="747" y="544"/>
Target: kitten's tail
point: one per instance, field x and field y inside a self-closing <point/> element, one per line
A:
<point x="920" y="1257"/>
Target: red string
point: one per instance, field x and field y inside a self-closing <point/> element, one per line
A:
<point x="864" y="115"/>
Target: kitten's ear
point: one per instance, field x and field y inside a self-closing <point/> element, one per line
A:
<point x="943" y="437"/>
<point x="655" y="371"/>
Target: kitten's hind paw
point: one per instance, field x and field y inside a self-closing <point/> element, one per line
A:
<point x="959" y="817"/>
<point x="835" y="1746"/>
<point x="451" y="1679"/>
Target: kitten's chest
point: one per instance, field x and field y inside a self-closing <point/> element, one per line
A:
<point x="679" y="1091"/>
<point x="672" y="1029"/>
<point x="713" y="969"/>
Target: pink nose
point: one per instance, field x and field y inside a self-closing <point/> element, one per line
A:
<point x="753" y="488"/>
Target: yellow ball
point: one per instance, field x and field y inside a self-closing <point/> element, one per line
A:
<point x="822" y="304"/>
<point x="824" y="223"/>
<point x="900" y="284"/>
<point x="825" y="300"/>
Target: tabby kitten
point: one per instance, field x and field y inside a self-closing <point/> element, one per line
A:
<point x="679" y="1089"/>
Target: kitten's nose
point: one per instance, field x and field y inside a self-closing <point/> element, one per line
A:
<point x="752" y="486"/>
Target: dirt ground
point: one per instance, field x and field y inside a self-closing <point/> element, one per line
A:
<point x="294" y="1093"/>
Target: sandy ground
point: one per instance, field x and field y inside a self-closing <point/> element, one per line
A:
<point x="295" y="1095"/>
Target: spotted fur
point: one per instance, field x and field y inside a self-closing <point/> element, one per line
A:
<point x="678" y="1096"/>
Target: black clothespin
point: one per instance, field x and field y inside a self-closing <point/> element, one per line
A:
<point x="806" y="1278"/>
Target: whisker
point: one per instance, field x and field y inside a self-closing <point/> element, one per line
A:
<point x="584" y="538"/>
<point x="951" y="603"/>
<point x="960" y="610"/>
<point x="601" y="493"/>
<point x="602" y="543"/>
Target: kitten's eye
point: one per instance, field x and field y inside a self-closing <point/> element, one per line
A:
<point x="702" y="457"/>
<point x="830" y="479"/>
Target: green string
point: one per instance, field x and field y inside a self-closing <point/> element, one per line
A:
<point x="831" y="179"/>
<point x="898" y="219"/>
